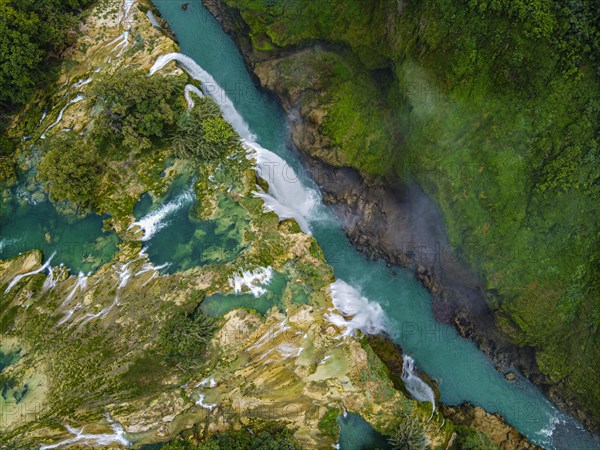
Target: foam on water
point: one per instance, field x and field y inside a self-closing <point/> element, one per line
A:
<point x="155" y="220"/>
<point x="18" y="278"/>
<point x="419" y="390"/>
<point x="365" y="315"/>
<point x="253" y="280"/>
<point x="117" y="437"/>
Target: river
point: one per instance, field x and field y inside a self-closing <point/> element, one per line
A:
<point x="464" y="373"/>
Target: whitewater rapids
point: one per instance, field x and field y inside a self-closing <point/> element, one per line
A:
<point x="287" y="196"/>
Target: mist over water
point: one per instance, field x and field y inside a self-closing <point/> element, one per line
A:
<point x="463" y="373"/>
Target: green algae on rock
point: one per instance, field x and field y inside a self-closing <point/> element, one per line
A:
<point x="92" y="358"/>
<point x="476" y="103"/>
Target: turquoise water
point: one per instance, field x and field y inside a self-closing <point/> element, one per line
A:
<point x="218" y="305"/>
<point x="80" y="243"/>
<point x="462" y="371"/>
<point x="357" y="434"/>
<point x="10" y="390"/>
<point x="8" y="359"/>
<point x="179" y="240"/>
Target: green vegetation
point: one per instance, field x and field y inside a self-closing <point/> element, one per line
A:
<point x="71" y="168"/>
<point x="184" y="336"/>
<point x="468" y="438"/>
<point x="137" y="113"/>
<point x="407" y="434"/>
<point x="203" y="133"/>
<point x="7" y="165"/>
<point x="494" y="108"/>
<point x="268" y="436"/>
<point x="32" y="35"/>
<point x="136" y="108"/>
<point x="32" y="32"/>
<point x="328" y="423"/>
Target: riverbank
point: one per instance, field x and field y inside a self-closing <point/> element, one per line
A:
<point x="300" y="70"/>
<point x="130" y="353"/>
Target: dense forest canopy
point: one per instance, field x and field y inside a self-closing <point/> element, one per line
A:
<point x="493" y="107"/>
<point x="31" y="32"/>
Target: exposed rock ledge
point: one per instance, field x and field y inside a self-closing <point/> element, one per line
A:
<point x="391" y="220"/>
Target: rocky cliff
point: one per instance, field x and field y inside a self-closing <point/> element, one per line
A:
<point x="407" y="147"/>
<point x="90" y="364"/>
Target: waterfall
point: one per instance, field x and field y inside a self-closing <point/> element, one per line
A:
<point x="50" y="281"/>
<point x="81" y="283"/>
<point x="78" y="98"/>
<point x="152" y="19"/>
<point x="18" y="278"/>
<point x="124" y="273"/>
<point x="207" y="382"/>
<point x="155" y="220"/>
<point x="270" y="334"/>
<point x="123" y="42"/>
<point x="200" y="402"/>
<point x="188" y="91"/>
<point x="127" y="4"/>
<point x="419" y="390"/>
<point x="252" y="279"/>
<point x="210" y="87"/>
<point x="117" y="437"/>
<point x="82" y="83"/>
<point x="366" y="316"/>
<point x="287" y="196"/>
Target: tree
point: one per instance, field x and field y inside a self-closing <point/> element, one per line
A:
<point x="137" y="107"/>
<point x="407" y="434"/>
<point x="202" y="132"/>
<point x="30" y="31"/>
<point x="186" y="335"/>
<point x="70" y="169"/>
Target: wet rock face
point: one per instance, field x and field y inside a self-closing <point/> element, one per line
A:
<point x="501" y="434"/>
<point x="386" y="219"/>
<point x="405" y="228"/>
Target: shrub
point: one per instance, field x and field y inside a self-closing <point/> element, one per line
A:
<point x="186" y="335"/>
<point x="137" y="108"/>
<point x="70" y="169"/>
<point x="468" y="438"/>
<point x="328" y="423"/>
<point x="203" y="133"/>
<point x="407" y="435"/>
